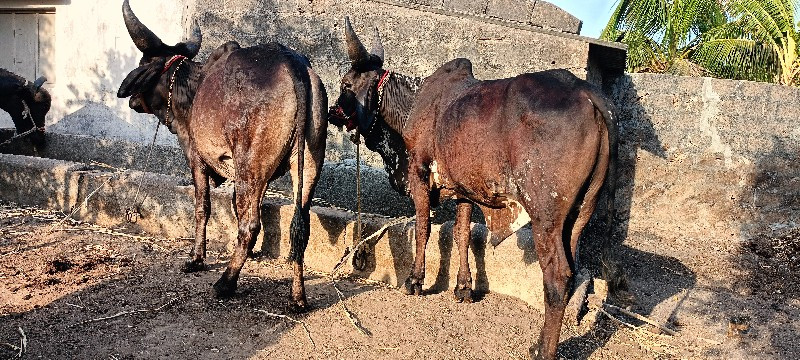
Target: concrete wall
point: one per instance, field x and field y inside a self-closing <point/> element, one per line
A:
<point x="706" y="158"/>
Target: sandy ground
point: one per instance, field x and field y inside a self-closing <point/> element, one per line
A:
<point x="88" y="292"/>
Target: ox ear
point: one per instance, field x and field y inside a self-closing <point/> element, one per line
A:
<point x="39" y="82"/>
<point x="192" y="44"/>
<point x="377" y="46"/>
<point x="140" y="79"/>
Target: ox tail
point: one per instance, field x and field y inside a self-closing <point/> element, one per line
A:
<point x="612" y="271"/>
<point x="299" y="229"/>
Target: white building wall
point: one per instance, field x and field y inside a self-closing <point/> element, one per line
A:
<point x="93" y="53"/>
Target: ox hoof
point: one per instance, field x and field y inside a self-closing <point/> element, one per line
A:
<point x="193" y="266"/>
<point x="224" y="288"/>
<point x="463" y="294"/>
<point x="298" y="307"/>
<point x="412" y="286"/>
<point x="533" y="352"/>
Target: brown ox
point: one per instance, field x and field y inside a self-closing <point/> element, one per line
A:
<point x="538" y="144"/>
<point x="247" y="114"/>
<point x="27" y="103"/>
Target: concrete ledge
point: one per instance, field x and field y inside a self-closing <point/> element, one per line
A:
<point x="167" y="210"/>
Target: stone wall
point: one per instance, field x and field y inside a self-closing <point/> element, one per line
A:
<point x="418" y="37"/>
<point x="502" y="38"/>
<point x="705" y="158"/>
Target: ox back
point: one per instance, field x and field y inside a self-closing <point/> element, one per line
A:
<point x="249" y="115"/>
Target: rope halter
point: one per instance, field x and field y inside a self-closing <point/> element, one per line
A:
<point x="180" y="59"/>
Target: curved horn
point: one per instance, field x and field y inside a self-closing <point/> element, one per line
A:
<point x="377" y="46"/>
<point x="194" y="41"/>
<point x="355" y="49"/>
<point x="39" y="82"/>
<point x="144" y="39"/>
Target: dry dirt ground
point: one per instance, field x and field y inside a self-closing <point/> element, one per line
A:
<point x="86" y="292"/>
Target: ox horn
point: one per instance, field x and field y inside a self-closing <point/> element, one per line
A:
<point x="355" y="49"/>
<point x="144" y="39"/>
<point x="194" y="41"/>
<point x="39" y="82"/>
<point x="377" y="46"/>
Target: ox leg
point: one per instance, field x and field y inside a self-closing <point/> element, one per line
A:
<point x="556" y="276"/>
<point x="202" y="208"/>
<point x="421" y="196"/>
<point x="248" y="204"/>
<point x="463" y="290"/>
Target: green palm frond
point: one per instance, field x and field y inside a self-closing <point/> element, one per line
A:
<point x="737" y="59"/>
<point x="740" y="39"/>
<point x="670" y="26"/>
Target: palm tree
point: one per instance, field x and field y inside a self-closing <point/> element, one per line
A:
<point x="662" y="34"/>
<point x="761" y="42"/>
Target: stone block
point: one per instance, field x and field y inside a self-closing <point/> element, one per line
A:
<point x="168" y="211"/>
<point x="514" y="10"/>
<point x="477" y="7"/>
<point x="437" y="3"/>
<point x="549" y="16"/>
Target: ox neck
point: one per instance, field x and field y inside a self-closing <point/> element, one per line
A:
<point x="386" y="137"/>
<point x="397" y="99"/>
<point x="187" y="78"/>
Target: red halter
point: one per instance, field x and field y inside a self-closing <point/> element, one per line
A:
<point x="382" y="80"/>
<point x="171" y="61"/>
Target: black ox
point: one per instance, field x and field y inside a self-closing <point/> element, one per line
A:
<point x="246" y="114"/>
<point x="536" y="148"/>
<point x="27" y="103"/>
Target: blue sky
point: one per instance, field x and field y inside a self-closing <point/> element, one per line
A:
<point x="593" y="13"/>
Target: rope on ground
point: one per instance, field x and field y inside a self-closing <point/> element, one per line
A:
<point x="132" y="213"/>
<point x="348" y="254"/>
<point x="305" y="327"/>
<point x="358" y="185"/>
<point x="350" y="315"/>
<point x="84" y="202"/>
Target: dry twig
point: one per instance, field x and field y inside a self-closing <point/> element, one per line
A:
<point x="101" y="230"/>
<point x="124" y="313"/>
<point x="618" y="321"/>
<point x="352" y="317"/>
<point x="308" y="333"/>
<point x="642" y="318"/>
<point x="23" y="344"/>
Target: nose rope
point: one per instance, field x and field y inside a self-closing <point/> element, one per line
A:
<point x="379" y="89"/>
<point x="182" y="58"/>
<point x="26" y="113"/>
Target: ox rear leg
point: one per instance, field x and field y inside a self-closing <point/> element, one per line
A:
<point x="547" y="229"/>
<point x="463" y="290"/>
<point x="248" y="204"/>
<point x="299" y="230"/>
<point x="422" y="231"/>
<point x="202" y="208"/>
